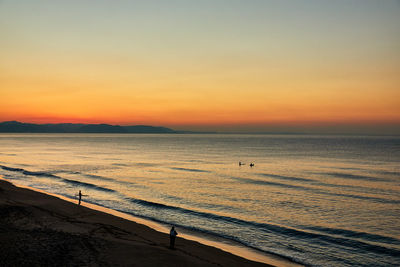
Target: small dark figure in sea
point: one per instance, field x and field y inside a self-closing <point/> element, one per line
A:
<point x="172" y="236"/>
<point x="80" y="197"/>
<point x="252" y="164"/>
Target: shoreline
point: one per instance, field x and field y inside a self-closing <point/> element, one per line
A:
<point x="233" y="254"/>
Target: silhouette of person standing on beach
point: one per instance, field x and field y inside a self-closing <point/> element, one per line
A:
<point x="80" y="197"/>
<point x="172" y="236"/>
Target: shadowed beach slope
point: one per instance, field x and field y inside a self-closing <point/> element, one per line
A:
<point x="41" y="230"/>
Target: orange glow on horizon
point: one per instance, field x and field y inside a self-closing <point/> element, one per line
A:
<point x="182" y="72"/>
<point x="195" y="122"/>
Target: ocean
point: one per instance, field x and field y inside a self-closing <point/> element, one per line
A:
<point x="316" y="200"/>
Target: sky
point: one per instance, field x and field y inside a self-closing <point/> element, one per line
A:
<point x="207" y="65"/>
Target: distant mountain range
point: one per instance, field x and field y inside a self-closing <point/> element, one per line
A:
<point x="19" y="127"/>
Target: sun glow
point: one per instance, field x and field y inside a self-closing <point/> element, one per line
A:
<point x="175" y="69"/>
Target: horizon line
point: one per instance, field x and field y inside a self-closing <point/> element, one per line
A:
<point x="290" y="131"/>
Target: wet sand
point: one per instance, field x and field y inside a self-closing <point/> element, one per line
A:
<point x="40" y="229"/>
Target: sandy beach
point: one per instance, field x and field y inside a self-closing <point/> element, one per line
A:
<point x="40" y="229"/>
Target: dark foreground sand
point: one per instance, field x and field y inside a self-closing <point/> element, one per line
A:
<point x="41" y="230"/>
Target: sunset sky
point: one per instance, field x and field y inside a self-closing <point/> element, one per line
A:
<point x="247" y="65"/>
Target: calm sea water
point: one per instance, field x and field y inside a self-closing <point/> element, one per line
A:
<point x="318" y="200"/>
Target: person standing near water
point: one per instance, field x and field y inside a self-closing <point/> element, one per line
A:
<point x="80" y="197"/>
<point x="172" y="236"/>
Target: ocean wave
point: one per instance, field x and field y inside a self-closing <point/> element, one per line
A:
<point x="315" y="190"/>
<point x="355" y="234"/>
<point x="362" y="243"/>
<point x="144" y="164"/>
<point x="89" y="185"/>
<point x="394" y="173"/>
<point x="187" y="169"/>
<point x="213" y="233"/>
<point x="355" y="176"/>
<point x="311" y="181"/>
<point x="26" y="172"/>
<point x="98" y="177"/>
<point x="288" y="178"/>
<point x="318" y="183"/>
<point x="49" y="175"/>
<point x="263" y="182"/>
<point x="339" y="237"/>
